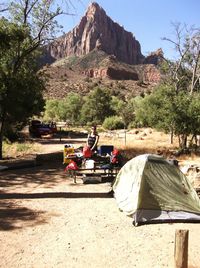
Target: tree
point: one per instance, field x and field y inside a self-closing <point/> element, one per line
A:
<point x="97" y="106"/>
<point x="17" y="100"/>
<point x="30" y="24"/>
<point x="51" y="112"/>
<point x="70" y="107"/>
<point x="117" y="105"/>
<point x="187" y="46"/>
<point x="113" y="122"/>
<point x="124" y="109"/>
<point x="182" y="77"/>
<point x="167" y="110"/>
<point x="3" y="7"/>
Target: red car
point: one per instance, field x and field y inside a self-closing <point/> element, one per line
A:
<point x="38" y="129"/>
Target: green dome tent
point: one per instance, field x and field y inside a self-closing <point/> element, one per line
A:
<point x="151" y="189"/>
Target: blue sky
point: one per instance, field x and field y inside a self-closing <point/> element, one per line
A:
<point x="148" y="20"/>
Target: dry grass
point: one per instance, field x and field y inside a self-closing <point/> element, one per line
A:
<point x="144" y="141"/>
<point x="131" y="144"/>
<point x="16" y="149"/>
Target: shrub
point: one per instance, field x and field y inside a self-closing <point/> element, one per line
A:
<point x="23" y="147"/>
<point x="133" y="124"/>
<point x="19" y="149"/>
<point x="113" y="122"/>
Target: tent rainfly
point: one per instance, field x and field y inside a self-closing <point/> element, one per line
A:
<point x="152" y="189"/>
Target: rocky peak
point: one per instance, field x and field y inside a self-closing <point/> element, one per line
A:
<point x="155" y="57"/>
<point x="93" y="10"/>
<point x="97" y="31"/>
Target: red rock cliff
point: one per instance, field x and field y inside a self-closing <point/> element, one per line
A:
<point x="97" y="30"/>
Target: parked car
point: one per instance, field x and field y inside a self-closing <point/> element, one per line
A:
<point x="39" y="129"/>
<point x="53" y="127"/>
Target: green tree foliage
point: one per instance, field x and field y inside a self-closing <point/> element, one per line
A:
<point x="155" y="110"/>
<point x="70" y="107"/>
<point x="97" y="106"/>
<point x="30" y="24"/>
<point x="124" y="109"/>
<point x="173" y="112"/>
<point x="51" y="110"/>
<point x="113" y="122"/>
<point x="169" y="107"/>
<point x="20" y="87"/>
<point x="117" y="105"/>
<point x="128" y="112"/>
<point x="67" y="109"/>
<point x="39" y="17"/>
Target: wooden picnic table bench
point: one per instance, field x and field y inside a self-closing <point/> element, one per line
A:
<point x="94" y="174"/>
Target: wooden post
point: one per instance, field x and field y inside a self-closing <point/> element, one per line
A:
<point x="181" y="249"/>
<point x="125" y="136"/>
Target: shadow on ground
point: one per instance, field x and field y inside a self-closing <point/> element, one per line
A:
<point x="13" y="216"/>
<point x="63" y="137"/>
<point x="58" y="141"/>
<point x="48" y="175"/>
<point x="5" y="196"/>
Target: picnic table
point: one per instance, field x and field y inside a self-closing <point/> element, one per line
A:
<point x="100" y="171"/>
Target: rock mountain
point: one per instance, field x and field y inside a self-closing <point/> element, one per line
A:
<point x="100" y="48"/>
<point x="97" y="31"/>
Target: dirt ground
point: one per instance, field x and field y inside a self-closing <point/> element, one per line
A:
<point x="48" y="221"/>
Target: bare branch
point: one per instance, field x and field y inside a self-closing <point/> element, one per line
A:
<point x="187" y="44"/>
<point x="3" y="7"/>
<point x="193" y="83"/>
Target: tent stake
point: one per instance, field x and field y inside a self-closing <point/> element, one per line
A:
<point x="181" y="249"/>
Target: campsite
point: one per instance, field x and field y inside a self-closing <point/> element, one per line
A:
<point x="47" y="220"/>
<point x="99" y="134"/>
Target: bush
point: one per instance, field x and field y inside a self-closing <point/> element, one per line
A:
<point x="113" y="122"/>
<point x="23" y="147"/>
<point x="19" y="149"/>
<point x="133" y="124"/>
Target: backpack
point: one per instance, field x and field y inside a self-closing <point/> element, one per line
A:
<point x="87" y="152"/>
<point x="71" y="166"/>
<point x="115" y="157"/>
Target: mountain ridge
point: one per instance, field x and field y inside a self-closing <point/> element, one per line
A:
<point x="96" y="30"/>
<point x="99" y="50"/>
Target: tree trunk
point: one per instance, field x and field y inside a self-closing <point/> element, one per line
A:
<point x="171" y="136"/>
<point x="194" y="137"/>
<point x="183" y="141"/>
<point x="1" y="136"/>
<point x="194" y="73"/>
<point x="1" y="141"/>
<point x="179" y="141"/>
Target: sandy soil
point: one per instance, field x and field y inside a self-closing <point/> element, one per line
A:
<point x="48" y="221"/>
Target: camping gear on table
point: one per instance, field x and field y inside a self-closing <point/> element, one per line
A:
<point x="90" y="164"/>
<point x="115" y="160"/>
<point x="68" y="153"/>
<point x="92" y="167"/>
<point x="87" y="152"/>
<point x="105" y="149"/>
<point x="151" y="189"/>
<point x="71" y="166"/>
